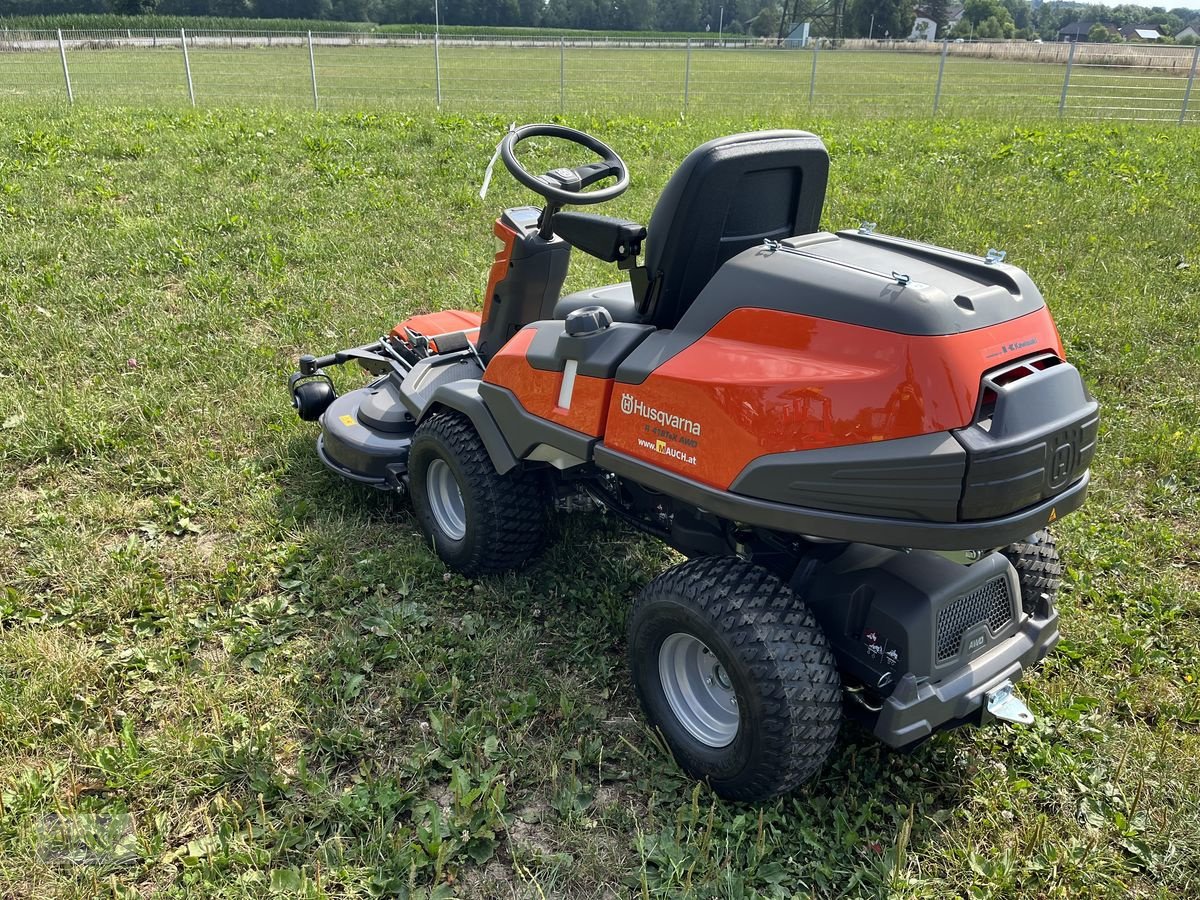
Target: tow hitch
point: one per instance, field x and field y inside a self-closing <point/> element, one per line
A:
<point x="1004" y="704"/>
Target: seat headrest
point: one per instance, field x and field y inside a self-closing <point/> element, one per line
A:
<point x="728" y="195"/>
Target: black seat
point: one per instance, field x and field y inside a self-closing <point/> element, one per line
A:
<point x="616" y="298"/>
<point x="728" y="195"/>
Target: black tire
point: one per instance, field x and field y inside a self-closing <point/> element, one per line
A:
<point x="775" y="657"/>
<point x="504" y="515"/>
<point x="1039" y="568"/>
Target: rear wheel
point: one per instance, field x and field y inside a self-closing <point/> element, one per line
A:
<point x="1039" y="568"/>
<point x="737" y="674"/>
<point x="479" y="521"/>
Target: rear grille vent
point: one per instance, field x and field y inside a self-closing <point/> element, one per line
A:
<point x="989" y="603"/>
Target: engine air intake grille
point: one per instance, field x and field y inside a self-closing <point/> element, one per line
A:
<point x="989" y="603"/>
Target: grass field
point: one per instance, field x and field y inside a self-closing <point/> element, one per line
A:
<point x="223" y="672"/>
<point x="486" y="79"/>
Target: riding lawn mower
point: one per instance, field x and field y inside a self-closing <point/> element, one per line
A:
<point x="858" y="442"/>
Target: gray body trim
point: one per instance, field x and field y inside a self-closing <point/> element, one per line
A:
<point x="909" y="478"/>
<point x="523" y="431"/>
<point x="881" y="530"/>
<point x="418" y="387"/>
<point x="1040" y="436"/>
<point x="599" y="354"/>
<point x="915" y="709"/>
<point x="464" y="397"/>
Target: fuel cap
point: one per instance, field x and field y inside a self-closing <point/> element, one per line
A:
<point x="588" y="320"/>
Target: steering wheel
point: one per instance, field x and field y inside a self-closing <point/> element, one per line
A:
<point x="562" y="186"/>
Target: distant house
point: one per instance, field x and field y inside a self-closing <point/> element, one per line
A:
<point x="924" y="29"/>
<point x="1140" y="33"/>
<point x="1192" y="31"/>
<point x="1078" y="31"/>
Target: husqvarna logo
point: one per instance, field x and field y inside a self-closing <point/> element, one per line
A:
<point x="631" y="406"/>
<point x="1061" y="464"/>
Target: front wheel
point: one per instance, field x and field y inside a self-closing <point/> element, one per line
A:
<point x="737" y="674"/>
<point x="479" y="521"/>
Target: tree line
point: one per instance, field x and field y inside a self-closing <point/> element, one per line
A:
<point x="883" y="19"/>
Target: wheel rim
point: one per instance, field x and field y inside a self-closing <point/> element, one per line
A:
<point x="698" y="690"/>
<point x="446" y="500"/>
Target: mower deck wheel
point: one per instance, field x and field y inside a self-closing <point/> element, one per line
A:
<point x="479" y="521"/>
<point x="311" y="398"/>
<point x="1038" y="566"/>
<point x="734" y="670"/>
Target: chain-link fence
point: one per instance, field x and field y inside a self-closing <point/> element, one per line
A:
<point x="650" y="76"/>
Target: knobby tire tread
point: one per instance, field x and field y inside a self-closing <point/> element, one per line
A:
<point x="779" y="641"/>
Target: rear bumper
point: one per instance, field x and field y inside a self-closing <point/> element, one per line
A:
<point x="883" y="531"/>
<point x="915" y="710"/>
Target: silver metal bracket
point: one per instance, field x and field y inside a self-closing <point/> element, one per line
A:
<point x="1004" y="704"/>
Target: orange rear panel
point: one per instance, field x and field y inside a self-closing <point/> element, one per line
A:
<point x="763" y="381"/>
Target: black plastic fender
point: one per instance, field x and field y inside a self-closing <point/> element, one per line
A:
<point x="463" y="397"/>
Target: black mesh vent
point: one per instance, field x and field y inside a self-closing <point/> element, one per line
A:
<point x="989" y="603"/>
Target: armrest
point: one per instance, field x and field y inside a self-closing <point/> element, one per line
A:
<point x="606" y="238"/>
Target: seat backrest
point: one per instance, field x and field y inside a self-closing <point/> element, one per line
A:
<point x="728" y="195"/>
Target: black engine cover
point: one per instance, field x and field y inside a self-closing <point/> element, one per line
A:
<point x="887" y="612"/>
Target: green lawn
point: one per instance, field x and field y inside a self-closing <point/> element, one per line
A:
<point x="224" y="672"/>
<point x="579" y="80"/>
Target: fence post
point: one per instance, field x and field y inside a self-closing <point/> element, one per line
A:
<point x="187" y="67"/>
<point x="812" y="79"/>
<point x="1062" y="101"/>
<point x="937" y="94"/>
<point x="312" y="68"/>
<point x="62" y="52"/>
<point x="562" y="74"/>
<point x="687" y="75"/>
<point x="437" y="70"/>
<point x="1188" y="93"/>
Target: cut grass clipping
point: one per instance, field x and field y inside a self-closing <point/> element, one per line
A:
<point x="225" y="672"/>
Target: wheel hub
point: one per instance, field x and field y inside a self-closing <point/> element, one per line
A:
<point x="446" y="500"/>
<point x="698" y="690"/>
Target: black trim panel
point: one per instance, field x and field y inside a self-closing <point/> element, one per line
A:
<point x="909" y="478"/>
<point x="915" y="710"/>
<point x="464" y="397"/>
<point x="598" y="354"/>
<point x="880" y="530"/>
<point x="523" y="430"/>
